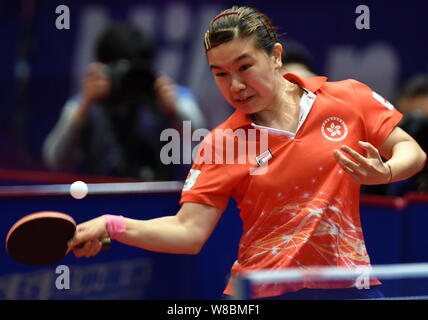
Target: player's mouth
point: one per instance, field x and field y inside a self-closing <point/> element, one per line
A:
<point x="245" y="100"/>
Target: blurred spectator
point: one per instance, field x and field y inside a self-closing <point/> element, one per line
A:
<point x="412" y="101"/>
<point x="296" y="59"/>
<point x="414" y="95"/>
<point x="113" y="126"/>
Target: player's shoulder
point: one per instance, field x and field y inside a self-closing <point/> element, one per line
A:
<point x="346" y="86"/>
<point x="234" y="126"/>
<point x="350" y="90"/>
<point x="357" y="91"/>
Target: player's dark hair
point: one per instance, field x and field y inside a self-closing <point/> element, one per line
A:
<point x="240" y="23"/>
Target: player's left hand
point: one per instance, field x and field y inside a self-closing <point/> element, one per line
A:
<point x="363" y="170"/>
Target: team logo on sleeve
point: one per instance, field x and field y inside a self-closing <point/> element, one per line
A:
<point x="334" y="129"/>
<point x="191" y="179"/>
<point x="382" y="100"/>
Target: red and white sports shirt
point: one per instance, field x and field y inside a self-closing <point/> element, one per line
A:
<point x="303" y="210"/>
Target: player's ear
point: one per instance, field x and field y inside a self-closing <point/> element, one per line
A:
<point x="277" y="55"/>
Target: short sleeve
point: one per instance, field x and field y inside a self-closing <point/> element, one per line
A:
<point x="379" y="115"/>
<point x="208" y="182"/>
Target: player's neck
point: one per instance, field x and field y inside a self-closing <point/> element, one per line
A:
<point x="284" y="113"/>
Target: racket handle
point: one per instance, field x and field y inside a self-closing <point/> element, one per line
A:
<point x="105" y="244"/>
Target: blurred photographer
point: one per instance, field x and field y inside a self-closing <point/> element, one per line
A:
<point x="112" y="126"/>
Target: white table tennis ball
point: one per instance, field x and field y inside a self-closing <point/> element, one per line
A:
<point x="78" y="190"/>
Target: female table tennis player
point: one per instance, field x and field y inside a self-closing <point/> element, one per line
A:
<point x="325" y="139"/>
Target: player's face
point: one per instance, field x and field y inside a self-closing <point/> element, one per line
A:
<point x="246" y="75"/>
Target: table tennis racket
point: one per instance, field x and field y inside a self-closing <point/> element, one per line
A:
<point x="40" y="238"/>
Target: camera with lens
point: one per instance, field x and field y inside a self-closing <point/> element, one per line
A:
<point x="130" y="81"/>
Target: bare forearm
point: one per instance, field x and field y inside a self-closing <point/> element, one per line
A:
<point x="407" y="159"/>
<point x="184" y="233"/>
<point x="165" y="234"/>
<point x="82" y="110"/>
<point x="62" y="140"/>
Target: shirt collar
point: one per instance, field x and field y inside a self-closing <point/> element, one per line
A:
<point x="312" y="84"/>
<point x="239" y="119"/>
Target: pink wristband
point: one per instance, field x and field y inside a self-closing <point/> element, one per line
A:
<point x="115" y="226"/>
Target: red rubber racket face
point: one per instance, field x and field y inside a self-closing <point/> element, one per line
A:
<point x="41" y="238"/>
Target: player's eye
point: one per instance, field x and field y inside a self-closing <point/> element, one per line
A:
<point x="244" y="67"/>
<point x="220" y="74"/>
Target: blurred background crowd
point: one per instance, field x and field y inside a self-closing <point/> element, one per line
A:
<point x="93" y="96"/>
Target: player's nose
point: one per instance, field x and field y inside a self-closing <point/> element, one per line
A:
<point x="236" y="85"/>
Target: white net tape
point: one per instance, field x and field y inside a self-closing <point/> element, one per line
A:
<point x="382" y="272"/>
<point x="411" y="270"/>
<point x="93" y="188"/>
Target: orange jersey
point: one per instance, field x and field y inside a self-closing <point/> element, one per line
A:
<point x="303" y="210"/>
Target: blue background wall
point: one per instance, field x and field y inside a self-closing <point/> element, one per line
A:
<point x="41" y="65"/>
